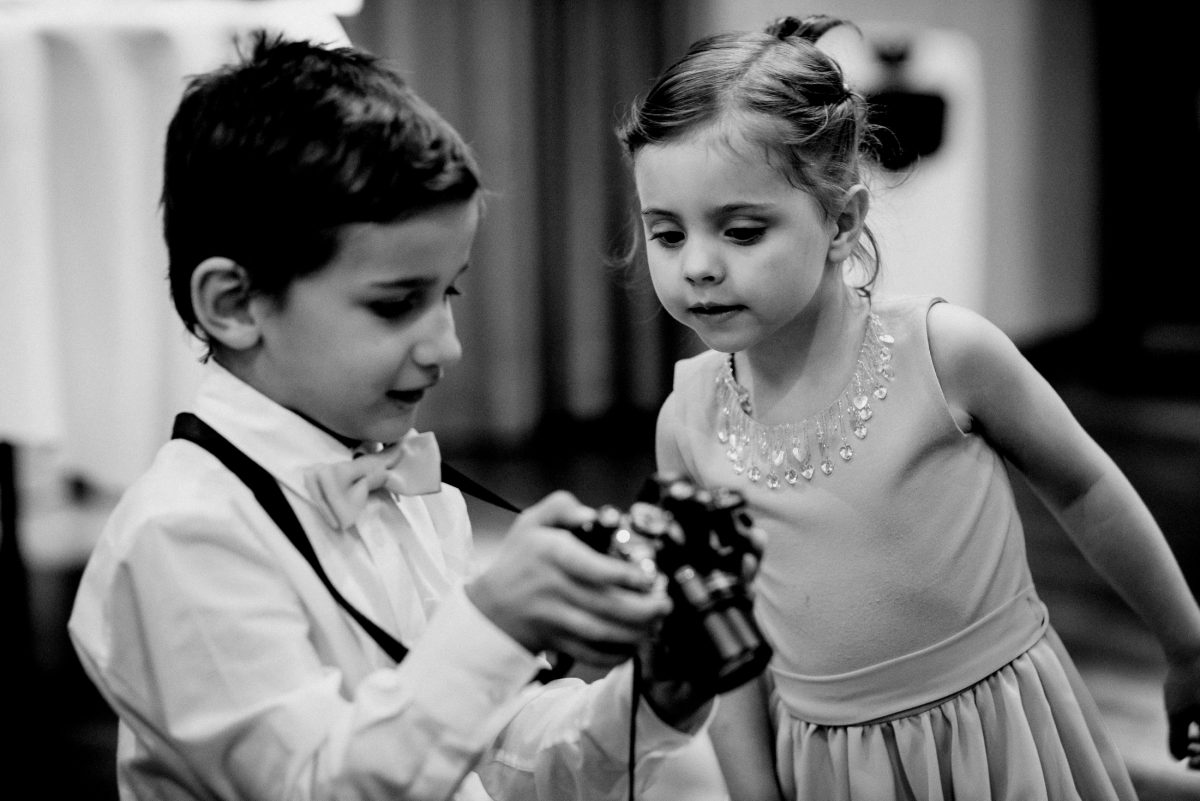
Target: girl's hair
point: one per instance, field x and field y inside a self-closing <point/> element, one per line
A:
<point x="267" y="159"/>
<point x="775" y="89"/>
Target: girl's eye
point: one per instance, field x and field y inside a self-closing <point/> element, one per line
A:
<point x="668" y="238"/>
<point x="745" y="235"/>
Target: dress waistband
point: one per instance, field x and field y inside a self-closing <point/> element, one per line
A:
<point x="920" y="678"/>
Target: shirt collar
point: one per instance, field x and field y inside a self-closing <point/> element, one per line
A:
<point x="278" y="439"/>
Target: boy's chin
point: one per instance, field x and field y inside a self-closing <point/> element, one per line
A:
<point x="390" y="430"/>
<point x="387" y="431"/>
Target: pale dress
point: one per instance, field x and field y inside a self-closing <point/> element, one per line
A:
<point x="913" y="658"/>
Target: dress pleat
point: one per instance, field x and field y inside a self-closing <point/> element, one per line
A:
<point x="1022" y="734"/>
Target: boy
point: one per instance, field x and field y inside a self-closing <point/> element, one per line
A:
<point x="318" y="215"/>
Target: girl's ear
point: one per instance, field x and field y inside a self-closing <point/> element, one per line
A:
<point x="850" y="222"/>
<point x="221" y="299"/>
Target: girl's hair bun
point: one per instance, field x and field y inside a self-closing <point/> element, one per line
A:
<point x="810" y="28"/>
<point x="783" y="27"/>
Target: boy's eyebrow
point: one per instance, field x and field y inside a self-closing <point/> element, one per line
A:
<point x="415" y="281"/>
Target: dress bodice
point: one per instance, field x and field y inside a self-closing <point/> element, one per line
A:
<point x="913" y="540"/>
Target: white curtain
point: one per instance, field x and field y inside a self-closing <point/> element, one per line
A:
<point x="92" y="358"/>
<point x="93" y="361"/>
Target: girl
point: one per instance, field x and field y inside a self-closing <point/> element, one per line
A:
<point x="914" y="658"/>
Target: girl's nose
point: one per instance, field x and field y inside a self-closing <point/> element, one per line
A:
<point x="440" y="346"/>
<point x="702" y="266"/>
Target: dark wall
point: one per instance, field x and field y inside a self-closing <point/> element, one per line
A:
<point x="1149" y="100"/>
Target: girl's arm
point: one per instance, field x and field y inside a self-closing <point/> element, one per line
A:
<point x="743" y="740"/>
<point x="992" y="390"/>
<point x="741" y="732"/>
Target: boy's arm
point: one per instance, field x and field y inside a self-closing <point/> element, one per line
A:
<point x="570" y="740"/>
<point x="238" y="687"/>
<point x="994" y="391"/>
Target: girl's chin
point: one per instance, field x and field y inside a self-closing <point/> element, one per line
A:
<point x="721" y="344"/>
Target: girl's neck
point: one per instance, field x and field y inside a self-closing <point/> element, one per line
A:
<point x="806" y="365"/>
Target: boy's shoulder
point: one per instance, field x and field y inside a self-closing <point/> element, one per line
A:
<point x="188" y="493"/>
<point x="185" y="490"/>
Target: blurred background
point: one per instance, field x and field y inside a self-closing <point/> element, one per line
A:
<point x="1043" y="174"/>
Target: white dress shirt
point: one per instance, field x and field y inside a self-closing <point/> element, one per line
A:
<point x="236" y="675"/>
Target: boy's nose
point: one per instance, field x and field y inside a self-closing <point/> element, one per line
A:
<point x="440" y="346"/>
<point x="702" y="266"/>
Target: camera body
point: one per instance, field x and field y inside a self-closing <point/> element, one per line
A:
<point x="697" y="540"/>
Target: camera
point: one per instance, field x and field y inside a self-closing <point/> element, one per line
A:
<point x="697" y="540"/>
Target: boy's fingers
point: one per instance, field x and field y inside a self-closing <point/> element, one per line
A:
<point x="559" y="508"/>
<point x="597" y="570"/>
<point x="594" y="640"/>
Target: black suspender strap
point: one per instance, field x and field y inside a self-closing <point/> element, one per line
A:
<point x="266" y="489"/>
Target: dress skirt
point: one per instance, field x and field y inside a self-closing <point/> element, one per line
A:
<point x="1028" y="732"/>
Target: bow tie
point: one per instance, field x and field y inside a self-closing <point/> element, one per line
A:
<point x="411" y="466"/>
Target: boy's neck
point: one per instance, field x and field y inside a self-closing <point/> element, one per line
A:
<point x="347" y="441"/>
<point x="239" y="370"/>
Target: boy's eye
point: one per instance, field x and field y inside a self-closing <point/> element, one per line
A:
<point x="667" y="237"/>
<point x="392" y="309"/>
<point x="745" y="235"/>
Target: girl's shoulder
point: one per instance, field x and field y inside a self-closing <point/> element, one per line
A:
<point x="905" y="311"/>
<point x="694" y="371"/>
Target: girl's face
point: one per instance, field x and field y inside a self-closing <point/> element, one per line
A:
<point x="355" y="345"/>
<point x="736" y="252"/>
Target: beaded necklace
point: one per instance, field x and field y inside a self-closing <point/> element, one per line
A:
<point x="786" y="452"/>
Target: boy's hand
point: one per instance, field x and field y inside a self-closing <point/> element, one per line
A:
<point x="551" y="592"/>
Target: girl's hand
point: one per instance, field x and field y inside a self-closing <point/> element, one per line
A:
<point x="551" y="592"/>
<point x="1182" y="694"/>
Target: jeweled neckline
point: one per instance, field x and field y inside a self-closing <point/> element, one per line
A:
<point x="787" y="453"/>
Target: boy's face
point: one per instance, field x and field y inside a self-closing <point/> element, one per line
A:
<point x="355" y="345"/>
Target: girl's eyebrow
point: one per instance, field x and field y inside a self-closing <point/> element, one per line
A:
<point x="740" y="207"/>
<point x="652" y="212"/>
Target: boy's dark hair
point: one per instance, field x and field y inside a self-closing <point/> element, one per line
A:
<point x="267" y="159"/>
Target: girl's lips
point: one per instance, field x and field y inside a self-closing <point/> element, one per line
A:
<point x="714" y="311"/>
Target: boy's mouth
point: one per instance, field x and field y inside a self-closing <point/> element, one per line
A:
<point x="409" y="396"/>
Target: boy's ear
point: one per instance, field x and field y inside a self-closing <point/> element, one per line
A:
<point x="221" y="299"/>
<point x="850" y="222"/>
